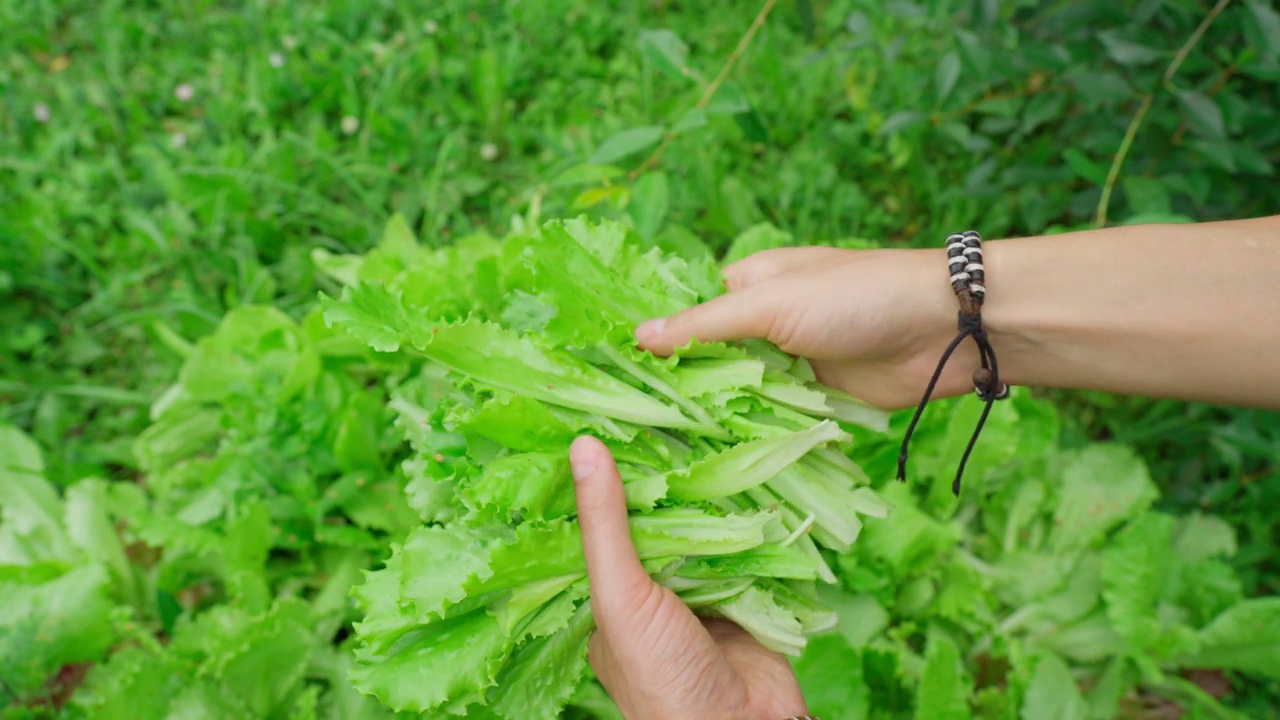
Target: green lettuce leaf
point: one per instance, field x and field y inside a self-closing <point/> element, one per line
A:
<point x="757" y="611"/>
<point x="498" y="358"/>
<point x="1102" y="486"/>
<point x="1245" y="637"/>
<point x="452" y="661"/>
<point x="747" y="464"/>
<point x="31" y="514"/>
<point x="944" y="690"/>
<point x="525" y="690"/>
<point x="48" y="623"/>
<point x="1052" y="693"/>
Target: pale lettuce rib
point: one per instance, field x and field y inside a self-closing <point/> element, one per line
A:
<point x="498" y="357"/>
<point x="747" y="464"/>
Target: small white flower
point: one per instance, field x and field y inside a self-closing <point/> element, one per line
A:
<point x="378" y="49"/>
<point x="488" y="152"/>
<point x="184" y="92"/>
<point x="430" y="27"/>
<point x="276" y="60"/>
<point x="41" y="112"/>
<point x="179" y="139"/>
<point x="350" y="125"/>
<point x="290" y="42"/>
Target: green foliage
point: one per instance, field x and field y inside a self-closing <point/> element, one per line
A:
<point x="56" y="568"/>
<point x="177" y="180"/>
<point x="735" y="489"/>
<point x="1069" y="598"/>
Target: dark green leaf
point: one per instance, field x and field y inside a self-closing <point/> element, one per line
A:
<point x="650" y="199"/>
<point x="1041" y="109"/>
<point x="752" y="125"/>
<point x="1203" y="116"/>
<point x="728" y="100"/>
<point x="692" y="120"/>
<point x="625" y="143"/>
<point x="1101" y="88"/>
<point x="1147" y="196"/>
<point x="901" y="121"/>
<point x="1127" y="52"/>
<point x="1263" y="28"/>
<point x="1084" y="167"/>
<point x="976" y="53"/>
<point x="946" y="75"/>
<point x="1217" y="152"/>
<point x="668" y="53"/>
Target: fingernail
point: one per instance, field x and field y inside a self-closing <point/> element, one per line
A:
<point x="650" y="329"/>
<point x="582" y="457"/>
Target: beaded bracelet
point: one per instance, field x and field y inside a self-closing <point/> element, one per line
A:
<point x="964" y="261"/>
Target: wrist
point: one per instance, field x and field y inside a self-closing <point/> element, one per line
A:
<point x="934" y="321"/>
<point x="1015" y="314"/>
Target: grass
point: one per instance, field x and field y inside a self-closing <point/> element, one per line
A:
<point x="132" y="217"/>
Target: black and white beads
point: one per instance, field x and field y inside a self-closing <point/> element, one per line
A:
<point x="964" y="262"/>
<point x="964" y="258"/>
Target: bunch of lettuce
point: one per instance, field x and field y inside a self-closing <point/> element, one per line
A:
<point x="733" y="461"/>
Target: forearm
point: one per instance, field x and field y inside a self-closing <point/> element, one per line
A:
<point x="1177" y="311"/>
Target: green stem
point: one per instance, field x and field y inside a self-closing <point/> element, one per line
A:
<point x="792" y="520"/>
<point x="709" y="91"/>
<point x="1113" y="175"/>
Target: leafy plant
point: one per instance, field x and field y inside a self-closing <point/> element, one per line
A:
<point x="166" y="170"/>
<point x="726" y="458"/>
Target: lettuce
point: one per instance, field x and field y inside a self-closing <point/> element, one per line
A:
<point x="733" y="461"/>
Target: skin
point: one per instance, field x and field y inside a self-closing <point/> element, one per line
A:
<point x="656" y="659"/>
<point x="1187" y="312"/>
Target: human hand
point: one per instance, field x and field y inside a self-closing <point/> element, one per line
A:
<point x="657" y="660"/>
<point x="871" y="322"/>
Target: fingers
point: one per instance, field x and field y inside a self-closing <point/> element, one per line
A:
<point x="769" y="264"/>
<point x="617" y="578"/>
<point x="745" y="314"/>
<point x="750" y="308"/>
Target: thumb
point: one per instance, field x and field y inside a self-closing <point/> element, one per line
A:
<point x="748" y="313"/>
<point x="617" y="578"/>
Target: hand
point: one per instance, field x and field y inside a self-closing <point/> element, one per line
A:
<point x="655" y="658"/>
<point x="872" y="322"/>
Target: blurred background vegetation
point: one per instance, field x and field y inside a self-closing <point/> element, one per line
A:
<point x="162" y="162"/>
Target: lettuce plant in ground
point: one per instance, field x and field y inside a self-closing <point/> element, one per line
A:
<point x="1052" y="589"/>
<point x="217" y="586"/>
<point x="732" y="461"/>
<point x="62" y="573"/>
